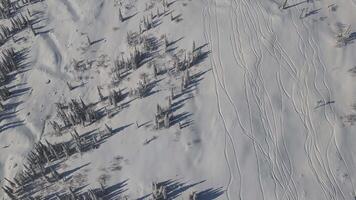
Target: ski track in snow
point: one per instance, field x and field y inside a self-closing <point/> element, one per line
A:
<point x="312" y="147"/>
<point x="207" y="32"/>
<point x="268" y="125"/>
<point x="231" y="140"/>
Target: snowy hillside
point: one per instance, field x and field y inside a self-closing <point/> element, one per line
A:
<point x="210" y="99"/>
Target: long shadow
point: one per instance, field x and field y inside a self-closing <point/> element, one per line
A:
<point x="175" y="189"/>
<point x="144" y="197"/>
<point x="149" y="88"/>
<point x="129" y="17"/>
<point x="201" y="47"/>
<point x="69" y="172"/>
<point x="95" y="134"/>
<point x="186" y="124"/>
<point x="11" y="106"/>
<point x="116" y="110"/>
<point x="199" y="74"/>
<point x="179" y="104"/>
<point x="175" y="41"/>
<point x="145" y="123"/>
<point x="171" y="50"/>
<point x="151" y="92"/>
<point x="52" y="196"/>
<point x="178" y="17"/>
<point x="114" y="191"/>
<point x="20" y="59"/>
<point x="201" y="57"/>
<point x="88" y="134"/>
<point x="66" y="195"/>
<point x="195" y="79"/>
<point x="32" y="188"/>
<point x="19" y="92"/>
<point x="108" y="193"/>
<point x="114" y="132"/>
<point x="117" y="130"/>
<point x="79" y="189"/>
<point x="177" y="107"/>
<point x="210" y="194"/>
<point x="43" y="32"/>
<point x="154" y="43"/>
<point x="55" y="165"/>
<point x="294" y="5"/>
<point x="351" y="37"/>
<point x="37" y="20"/>
<point x="156" y="23"/>
<point x="19" y="8"/>
<point x="15" y="86"/>
<point x="180" y="117"/>
<point x="171" y="3"/>
<point x="7" y="115"/>
<point x="194" y="82"/>
<point x="12" y="75"/>
<point x="21" y="54"/>
<point x="97" y="41"/>
<point x="38" y="28"/>
<point x="11" y="125"/>
<point x="23" y="67"/>
<point x="167" y="12"/>
<point x="146" y="58"/>
<point x="77" y="86"/>
<point x="313" y="12"/>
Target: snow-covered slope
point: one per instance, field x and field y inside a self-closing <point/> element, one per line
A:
<point x="268" y="113"/>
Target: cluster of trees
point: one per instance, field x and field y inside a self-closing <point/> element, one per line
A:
<point x="17" y="23"/>
<point x="82" y="144"/>
<point x="123" y="65"/>
<point x="71" y="194"/>
<point x="38" y="164"/>
<point x="90" y="194"/>
<point x="5" y="34"/>
<point x="42" y="154"/>
<point x="20" y="22"/>
<point x="76" y="112"/>
<point x="164" y="115"/>
<point x="159" y="191"/>
<point x="8" y="57"/>
<point x="114" y="96"/>
<point x="343" y="37"/>
<point x="145" y="24"/>
<point x="133" y="38"/>
<point x="4" y="95"/>
<point x="131" y="63"/>
<point x="193" y="196"/>
<point x="158" y="70"/>
<point x="189" y="59"/>
<point x="186" y="79"/>
<point x="8" y="63"/>
<point x="8" y="8"/>
<point x="142" y="89"/>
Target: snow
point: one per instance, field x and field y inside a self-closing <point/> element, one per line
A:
<point x="255" y="129"/>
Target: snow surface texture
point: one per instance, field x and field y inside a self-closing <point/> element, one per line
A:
<point x="269" y="116"/>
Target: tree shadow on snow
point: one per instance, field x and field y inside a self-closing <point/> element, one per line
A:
<point x="210" y="194"/>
